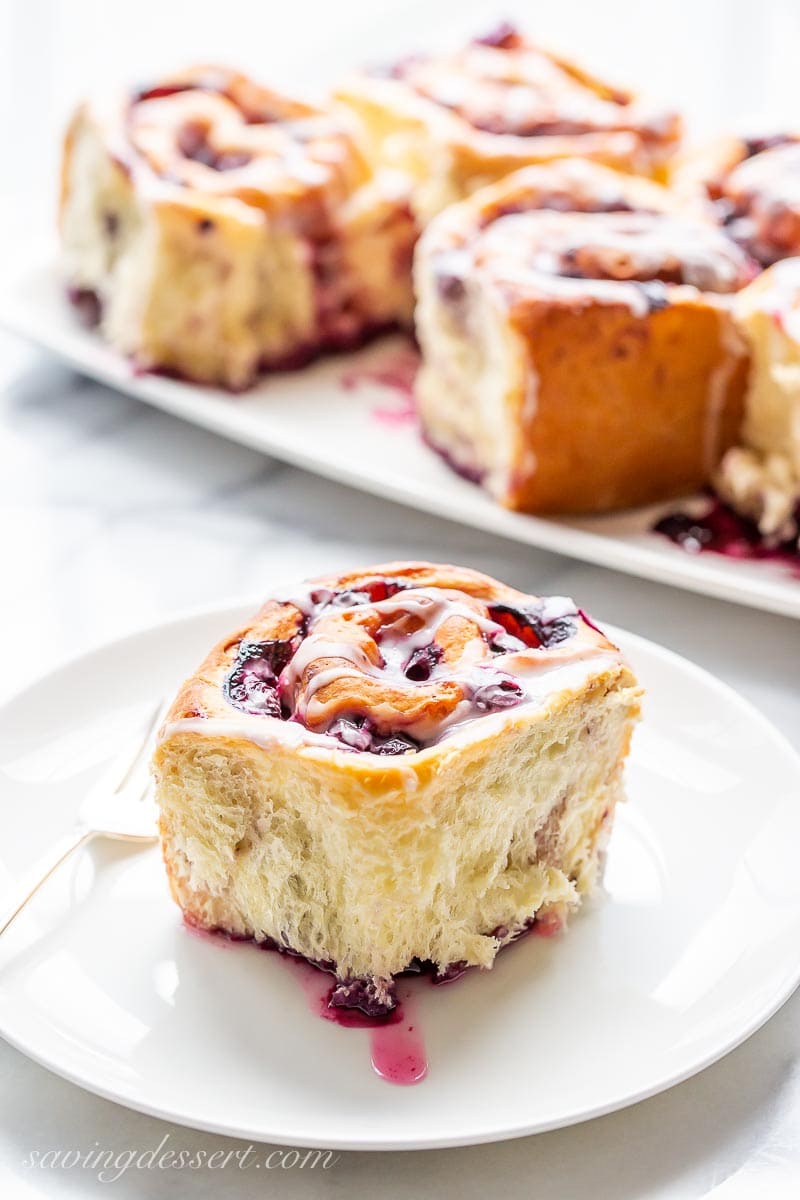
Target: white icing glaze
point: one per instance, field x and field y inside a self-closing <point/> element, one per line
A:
<point x="551" y="679"/>
<point x="281" y="146"/>
<point x="606" y="256"/>
<point x="776" y="292"/>
<point x="770" y="178"/>
<point x="425" y="609"/>
<point x="516" y="88"/>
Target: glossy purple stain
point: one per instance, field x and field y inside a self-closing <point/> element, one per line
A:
<point x="422" y="661"/>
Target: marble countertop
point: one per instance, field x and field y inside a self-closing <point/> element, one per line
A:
<point x="115" y="515"/>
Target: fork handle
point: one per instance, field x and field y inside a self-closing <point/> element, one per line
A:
<point x="39" y="872"/>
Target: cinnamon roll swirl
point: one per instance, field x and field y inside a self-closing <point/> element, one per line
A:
<point x="401" y="765"/>
<point x="753" y="185"/>
<point x="215" y="229"/>
<point x="579" y="361"/>
<point x="458" y="121"/>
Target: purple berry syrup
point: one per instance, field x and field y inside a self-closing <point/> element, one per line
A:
<point x="723" y="531"/>
<point x="397" y="1047"/>
<point x="395" y="372"/>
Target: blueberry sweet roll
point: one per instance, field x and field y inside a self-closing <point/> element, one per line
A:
<point x="454" y="122"/>
<point x="216" y="229"/>
<point x="578" y="361"/>
<point x="405" y="765"/>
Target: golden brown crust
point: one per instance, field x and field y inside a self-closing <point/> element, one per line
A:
<point x="424" y="574"/>
<point x="623" y="419"/>
<point x="623" y="372"/>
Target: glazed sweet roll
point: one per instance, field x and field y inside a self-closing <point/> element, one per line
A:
<point x="405" y="765"/>
<point x="753" y="185"/>
<point x="457" y="121"/>
<point x="761" y="478"/>
<point x="215" y="228"/>
<point x="579" y="361"/>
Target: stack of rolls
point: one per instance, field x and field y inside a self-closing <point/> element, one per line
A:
<point x="586" y="294"/>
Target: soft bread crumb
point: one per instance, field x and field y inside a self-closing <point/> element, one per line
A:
<point x="273" y="844"/>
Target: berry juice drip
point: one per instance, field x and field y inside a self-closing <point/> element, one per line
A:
<point x="721" y="530"/>
<point x="397" y="1052"/>
<point x="397" y="1049"/>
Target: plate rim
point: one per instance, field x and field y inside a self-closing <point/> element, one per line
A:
<point x="92" y="357"/>
<point x="227" y="610"/>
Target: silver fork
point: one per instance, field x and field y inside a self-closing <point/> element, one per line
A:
<point x="118" y="806"/>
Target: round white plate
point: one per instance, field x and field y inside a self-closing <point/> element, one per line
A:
<point x="692" y="947"/>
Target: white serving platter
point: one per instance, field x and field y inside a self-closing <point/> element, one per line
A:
<point x="334" y="418"/>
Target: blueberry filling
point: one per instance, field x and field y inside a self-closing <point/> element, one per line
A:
<point x="505" y="643"/>
<point x="193" y="143"/>
<point x="375" y="997"/>
<point x="359" y="734"/>
<point x="722" y="530"/>
<point x="213" y="82"/>
<point x="656" y="295"/>
<point x="422" y="662"/>
<point x="384" y="589"/>
<point x="87" y="305"/>
<point x="396" y="743"/>
<point x="252" y="685"/>
<point x="757" y="145"/>
<point x="353" y="731"/>
<point x="160" y="91"/>
<point x="533" y="626"/>
<point x="503" y="37"/>
<point x="373" y="591"/>
<point x="451" y="287"/>
<point x="497" y="695"/>
<point x="518" y="623"/>
<point x="345" y="599"/>
<point x="255" y="685"/>
<point x="451" y="972"/>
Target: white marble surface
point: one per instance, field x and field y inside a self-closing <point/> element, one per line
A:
<point x="113" y="516"/>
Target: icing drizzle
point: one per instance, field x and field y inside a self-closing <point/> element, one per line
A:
<point x="612" y="255"/>
<point x="390" y="669"/>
